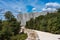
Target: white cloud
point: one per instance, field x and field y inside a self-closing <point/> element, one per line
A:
<point x="33" y="9"/>
<point x="49" y="9"/>
<point x="51" y="4"/>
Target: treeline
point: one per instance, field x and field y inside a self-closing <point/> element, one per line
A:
<point x="47" y="23"/>
<point x="9" y="28"/>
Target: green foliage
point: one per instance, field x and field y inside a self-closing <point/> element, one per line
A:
<point x="0" y="25"/>
<point x="19" y="37"/>
<point x="47" y="23"/>
<point x="10" y="28"/>
<point x="8" y="15"/>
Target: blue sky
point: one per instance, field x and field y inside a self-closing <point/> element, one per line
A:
<point x="28" y="5"/>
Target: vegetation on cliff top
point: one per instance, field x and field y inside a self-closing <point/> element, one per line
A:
<point x="47" y="23"/>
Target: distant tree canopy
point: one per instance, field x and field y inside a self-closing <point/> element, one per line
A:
<point x="8" y="15"/>
<point x="48" y="23"/>
<point x="58" y="9"/>
<point x="9" y="28"/>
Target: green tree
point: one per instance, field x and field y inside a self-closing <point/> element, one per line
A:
<point x="8" y="15"/>
<point x="10" y="28"/>
<point x="0" y="25"/>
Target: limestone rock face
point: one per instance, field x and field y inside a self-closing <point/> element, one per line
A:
<point x="23" y="17"/>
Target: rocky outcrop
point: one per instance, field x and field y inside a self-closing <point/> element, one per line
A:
<point x="32" y="35"/>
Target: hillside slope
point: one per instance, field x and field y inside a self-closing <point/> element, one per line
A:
<point x="47" y="23"/>
<point x="41" y="35"/>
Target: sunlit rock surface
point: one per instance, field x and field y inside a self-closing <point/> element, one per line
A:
<point x="32" y="35"/>
<point x="47" y="36"/>
<point x="39" y="35"/>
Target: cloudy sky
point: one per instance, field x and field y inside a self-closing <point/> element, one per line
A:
<point x="28" y="5"/>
